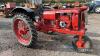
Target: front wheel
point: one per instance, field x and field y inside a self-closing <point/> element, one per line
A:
<point x="86" y="46"/>
<point x="24" y="30"/>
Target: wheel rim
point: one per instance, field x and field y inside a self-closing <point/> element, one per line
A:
<point x="97" y="9"/>
<point x="22" y="31"/>
<point x="86" y="44"/>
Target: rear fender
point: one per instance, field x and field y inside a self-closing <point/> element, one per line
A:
<point x="29" y="12"/>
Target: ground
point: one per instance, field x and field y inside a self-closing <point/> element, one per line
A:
<point x="50" y="45"/>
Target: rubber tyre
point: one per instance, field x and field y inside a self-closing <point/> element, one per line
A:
<point x="33" y="40"/>
<point x="83" y="50"/>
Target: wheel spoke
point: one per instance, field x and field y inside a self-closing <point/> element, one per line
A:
<point x="23" y="26"/>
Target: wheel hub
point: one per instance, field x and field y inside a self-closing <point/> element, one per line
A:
<point x="23" y="33"/>
<point x="23" y="29"/>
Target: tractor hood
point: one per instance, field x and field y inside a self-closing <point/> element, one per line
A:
<point x="51" y="14"/>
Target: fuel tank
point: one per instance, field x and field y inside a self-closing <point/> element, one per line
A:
<point x="49" y="15"/>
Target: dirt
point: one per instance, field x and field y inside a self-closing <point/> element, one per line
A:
<point x="49" y="45"/>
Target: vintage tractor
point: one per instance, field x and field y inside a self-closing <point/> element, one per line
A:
<point x="26" y="23"/>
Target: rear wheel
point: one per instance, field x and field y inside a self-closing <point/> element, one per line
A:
<point x="86" y="45"/>
<point x="24" y="30"/>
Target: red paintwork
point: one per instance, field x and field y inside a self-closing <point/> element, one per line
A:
<point x="21" y="29"/>
<point x="49" y="15"/>
<point x="50" y="22"/>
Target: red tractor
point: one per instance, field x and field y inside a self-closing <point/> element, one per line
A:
<point x="28" y="21"/>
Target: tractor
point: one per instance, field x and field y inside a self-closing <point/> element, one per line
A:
<point x="27" y="21"/>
